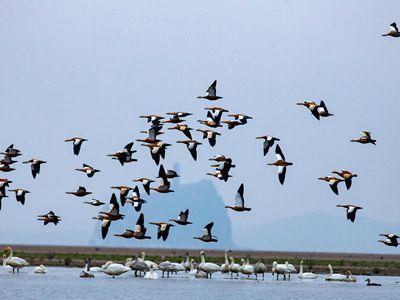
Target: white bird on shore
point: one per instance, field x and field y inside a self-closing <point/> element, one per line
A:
<point x="280" y="269"/>
<point x="13" y="261"/>
<point x="207" y="267"/>
<point x="306" y="275"/>
<point x="339" y="277"/>
<point x="40" y="270"/>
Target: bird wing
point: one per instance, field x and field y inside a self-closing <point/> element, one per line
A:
<point x="281" y="174"/>
<point x="366" y="134"/>
<point x="183" y="215"/>
<point x="212" y="90"/>
<point x="393" y="27"/>
<point x="239" y="199"/>
<point x="279" y="153"/>
<point x="104" y="228"/>
<point x="207" y="228"/>
<point x="114" y="206"/>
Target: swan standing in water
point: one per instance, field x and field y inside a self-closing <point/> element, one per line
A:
<point x="40" y="270"/>
<point x="280" y="269"/>
<point x="234" y="268"/>
<point x="149" y="262"/>
<point x="290" y="267"/>
<point x="260" y="268"/>
<point x="246" y="268"/>
<point x="306" y="275"/>
<point x="114" y="269"/>
<point x="13" y="261"/>
<point x="225" y="266"/>
<point x="151" y="274"/>
<point x="207" y="267"/>
<point x="186" y="263"/>
<point x="339" y="277"/>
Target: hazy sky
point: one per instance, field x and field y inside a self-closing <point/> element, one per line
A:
<point x="89" y="68"/>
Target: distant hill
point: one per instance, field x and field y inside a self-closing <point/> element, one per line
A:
<point x="318" y="231"/>
<point x="200" y="198"/>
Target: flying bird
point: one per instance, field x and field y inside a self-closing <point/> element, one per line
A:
<point x="90" y="171"/>
<point x="312" y="107"/>
<point x="268" y="142"/>
<point x="135" y="200"/>
<point x="241" y="118"/>
<point x="185" y="129"/>
<point x="123" y="192"/>
<point x="183" y="218"/>
<point x="217" y="113"/>
<point x="20" y="195"/>
<point x="333" y="183"/>
<point x="139" y="232"/>
<point x="365" y="138"/>
<point x="50" y="217"/>
<point x="11" y="151"/>
<point x="163" y="229"/>
<point x="107" y="217"/>
<point x="239" y="201"/>
<point x="146" y="183"/>
<point x="281" y="163"/>
<point x="211" y="93"/>
<point x="347" y="176"/>
<point x="157" y="150"/>
<point x="153" y="119"/>
<point x="394" y="31"/>
<point x="192" y="147"/>
<point x="165" y="185"/>
<point x="94" y="202"/>
<point x="124" y="156"/>
<point x="80" y="192"/>
<point x="351" y="211"/>
<point x="77" y="144"/>
<point x="210" y="121"/>
<point x="210" y="135"/>
<point x="35" y="165"/>
<point x="207" y="235"/>
<point x="391" y="239"/>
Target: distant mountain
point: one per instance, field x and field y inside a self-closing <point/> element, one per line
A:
<point x="200" y="198"/>
<point x="318" y="231"/>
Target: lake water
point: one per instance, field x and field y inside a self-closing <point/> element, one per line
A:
<point x="64" y="283"/>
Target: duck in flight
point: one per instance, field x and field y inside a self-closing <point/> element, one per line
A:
<point x="347" y="176"/>
<point x="185" y="129"/>
<point x="241" y="118"/>
<point x="239" y="201"/>
<point x="35" y="165"/>
<point x="153" y="119"/>
<point x="165" y="184"/>
<point x="107" y="217"/>
<point x="211" y="135"/>
<point x="80" y="192"/>
<point x="157" y="150"/>
<point x="210" y="121"/>
<point x="351" y="211"/>
<point x="20" y="195"/>
<point x="124" y="156"/>
<point x="207" y="235"/>
<point x="281" y="163"/>
<point x="94" y="202"/>
<point x="211" y="93"/>
<point x="135" y="199"/>
<point x="123" y="192"/>
<point x="333" y="183"/>
<point x="192" y="147"/>
<point x="11" y="151"/>
<point x="268" y="142"/>
<point x="365" y="138"/>
<point x="183" y="218"/>
<point x="312" y="107"/>
<point x="217" y="113"/>
<point x="163" y="229"/>
<point x="394" y="31"/>
<point x="139" y="232"/>
<point x="180" y="114"/>
<point x="391" y="239"/>
<point x="77" y="144"/>
<point x="50" y="217"/>
<point x="146" y="183"/>
<point x="222" y="168"/>
<point x="90" y="171"/>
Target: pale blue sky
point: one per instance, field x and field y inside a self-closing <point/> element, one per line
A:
<point x="80" y="68"/>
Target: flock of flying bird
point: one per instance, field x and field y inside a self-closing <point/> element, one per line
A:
<point x="222" y="166"/>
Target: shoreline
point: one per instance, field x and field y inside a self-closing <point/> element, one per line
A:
<point x="73" y="256"/>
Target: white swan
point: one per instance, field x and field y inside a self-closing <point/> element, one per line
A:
<point x="246" y="268"/>
<point x="339" y="277"/>
<point x="149" y="262"/>
<point x="290" y="267"/>
<point x="137" y="265"/>
<point x="151" y="274"/>
<point x="186" y="262"/>
<point x="13" y="261"/>
<point x="86" y="273"/>
<point x="225" y="266"/>
<point x="207" y="267"/>
<point x="306" y="275"/>
<point x="280" y="269"/>
<point x="234" y="268"/>
<point x="40" y="269"/>
<point x="193" y="267"/>
<point x="114" y="269"/>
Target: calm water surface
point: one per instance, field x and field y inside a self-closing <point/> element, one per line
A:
<point x="64" y="283"/>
